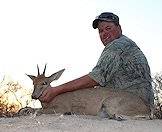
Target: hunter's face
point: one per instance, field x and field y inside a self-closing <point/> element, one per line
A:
<point x="108" y="31"/>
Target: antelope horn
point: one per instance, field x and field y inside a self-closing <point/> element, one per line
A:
<point x="38" y="70"/>
<point x="44" y="69"/>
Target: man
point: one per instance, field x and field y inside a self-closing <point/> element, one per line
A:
<point x="121" y="66"/>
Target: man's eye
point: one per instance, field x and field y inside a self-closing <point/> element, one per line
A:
<point x="44" y="83"/>
<point x="108" y="28"/>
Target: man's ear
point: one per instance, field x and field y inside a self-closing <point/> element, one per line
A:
<point x="56" y="75"/>
<point x="119" y="30"/>
<point x="31" y="76"/>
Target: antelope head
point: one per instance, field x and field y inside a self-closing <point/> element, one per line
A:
<point x="41" y="82"/>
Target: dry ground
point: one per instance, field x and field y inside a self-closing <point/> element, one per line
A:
<point x="73" y="123"/>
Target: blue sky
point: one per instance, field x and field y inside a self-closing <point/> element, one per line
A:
<point x="60" y="33"/>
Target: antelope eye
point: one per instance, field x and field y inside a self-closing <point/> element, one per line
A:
<point x="44" y="83"/>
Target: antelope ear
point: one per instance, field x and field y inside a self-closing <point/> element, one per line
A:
<point x="31" y="76"/>
<point x="56" y="75"/>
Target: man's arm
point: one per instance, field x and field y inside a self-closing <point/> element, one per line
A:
<point x="79" y="83"/>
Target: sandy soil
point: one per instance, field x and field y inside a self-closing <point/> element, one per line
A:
<point x="73" y="123"/>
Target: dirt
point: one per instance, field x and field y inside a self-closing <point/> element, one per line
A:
<point x="74" y="123"/>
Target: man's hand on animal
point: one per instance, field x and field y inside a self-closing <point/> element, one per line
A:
<point x="49" y="94"/>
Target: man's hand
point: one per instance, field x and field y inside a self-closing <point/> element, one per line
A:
<point x="48" y="95"/>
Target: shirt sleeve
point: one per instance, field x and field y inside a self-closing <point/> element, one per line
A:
<point x="107" y="65"/>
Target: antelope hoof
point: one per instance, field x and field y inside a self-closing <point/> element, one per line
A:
<point x="26" y="111"/>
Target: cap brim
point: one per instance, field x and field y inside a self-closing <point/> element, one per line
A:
<point x="95" y="22"/>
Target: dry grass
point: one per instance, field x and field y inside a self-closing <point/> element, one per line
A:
<point x="157" y="86"/>
<point x="12" y="98"/>
<point x="7" y="109"/>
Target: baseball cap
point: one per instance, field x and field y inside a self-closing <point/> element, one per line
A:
<point x="106" y="16"/>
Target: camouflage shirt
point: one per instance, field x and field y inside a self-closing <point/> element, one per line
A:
<point x="123" y="66"/>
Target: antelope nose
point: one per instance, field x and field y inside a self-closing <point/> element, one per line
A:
<point x="34" y="97"/>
